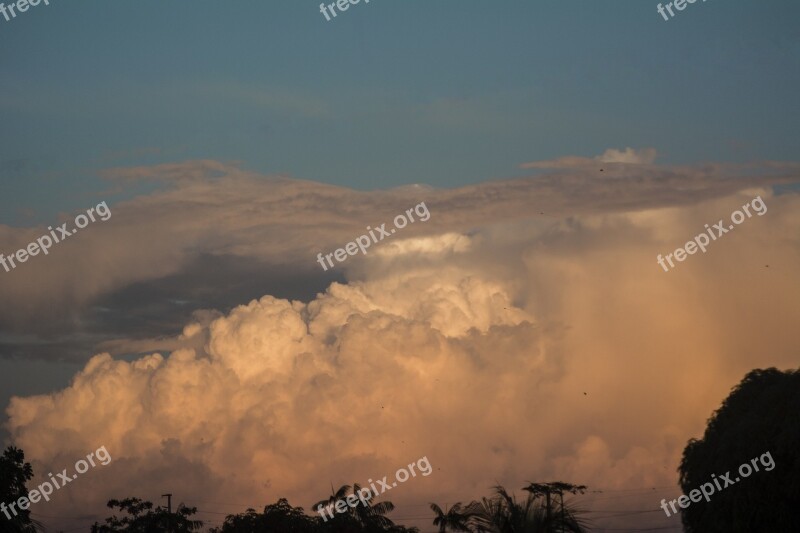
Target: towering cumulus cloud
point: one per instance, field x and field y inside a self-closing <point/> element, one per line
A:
<point x="516" y="333"/>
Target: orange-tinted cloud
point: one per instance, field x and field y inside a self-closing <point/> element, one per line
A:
<point x="503" y="345"/>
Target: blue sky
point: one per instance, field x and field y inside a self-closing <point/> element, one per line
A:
<point x="386" y="94"/>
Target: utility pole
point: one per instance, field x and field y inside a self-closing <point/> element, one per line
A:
<point x="169" y="502"/>
<point x="547" y="495"/>
<point x="169" y="509"/>
<point x="561" y="493"/>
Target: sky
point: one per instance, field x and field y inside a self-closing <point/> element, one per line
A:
<point x="443" y="93"/>
<point x="559" y="147"/>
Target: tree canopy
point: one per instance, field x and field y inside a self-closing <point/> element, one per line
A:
<point x="142" y="518"/>
<point x="761" y="415"/>
<point x="14" y="474"/>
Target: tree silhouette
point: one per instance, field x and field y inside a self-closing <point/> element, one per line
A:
<point x="555" y="487"/>
<point x="279" y="516"/>
<point x="246" y="522"/>
<point x="361" y="517"/>
<point x="504" y="514"/>
<point x="760" y="416"/>
<point x="341" y="522"/>
<point x="456" y="519"/>
<point x="282" y="517"/>
<point x="372" y="515"/>
<point x="14" y="473"/>
<point x="143" y="519"/>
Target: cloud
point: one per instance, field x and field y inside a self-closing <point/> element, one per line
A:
<point x="274" y="99"/>
<point x="216" y="234"/>
<point x="485" y="325"/>
<point x="629" y="156"/>
<point x="198" y="170"/>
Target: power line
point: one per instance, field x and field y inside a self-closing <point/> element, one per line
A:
<point x="641" y="529"/>
<point x="636" y="489"/>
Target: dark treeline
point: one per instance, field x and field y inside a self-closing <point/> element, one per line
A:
<point x="543" y="510"/>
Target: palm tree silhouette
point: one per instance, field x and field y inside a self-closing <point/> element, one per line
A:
<point x="555" y="487"/>
<point x="367" y="515"/>
<point x="457" y="518"/>
<point x="335" y="496"/>
<point x="504" y="514"/>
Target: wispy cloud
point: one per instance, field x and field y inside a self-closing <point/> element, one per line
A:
<point x="274" y="99"/>
<point x="628" y="156"/>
